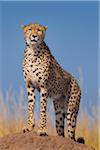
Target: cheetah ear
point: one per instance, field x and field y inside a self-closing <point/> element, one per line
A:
<point x="45" y="28"/>
<point x="22" y="26"/>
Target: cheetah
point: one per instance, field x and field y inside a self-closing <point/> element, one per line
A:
<point x="42" y="72"/>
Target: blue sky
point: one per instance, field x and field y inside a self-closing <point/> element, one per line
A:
<point x="72" y="36"/>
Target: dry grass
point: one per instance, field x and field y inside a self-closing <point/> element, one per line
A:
<point x="13" y="114"/>
<point x="88" y="127"/>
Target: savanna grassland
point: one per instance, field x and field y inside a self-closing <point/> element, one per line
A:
<point x="13" y="112"/>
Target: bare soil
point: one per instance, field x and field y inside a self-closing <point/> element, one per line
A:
<point x="31" y="141"/>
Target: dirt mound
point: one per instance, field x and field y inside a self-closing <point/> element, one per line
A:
<point x="30" y="141"/>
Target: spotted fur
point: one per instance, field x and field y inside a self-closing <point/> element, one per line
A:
<point x="43" y="73"/>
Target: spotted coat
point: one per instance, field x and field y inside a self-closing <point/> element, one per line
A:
<point x="43" y="73"/>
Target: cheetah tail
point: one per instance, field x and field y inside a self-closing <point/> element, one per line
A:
<point x="81" y="140"/>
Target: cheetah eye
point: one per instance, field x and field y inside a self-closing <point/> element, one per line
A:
<point x="30" y="29"/>
<point x="39" y="30"/>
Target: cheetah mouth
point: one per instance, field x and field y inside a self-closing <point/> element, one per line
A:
<point x="33" y="40"/>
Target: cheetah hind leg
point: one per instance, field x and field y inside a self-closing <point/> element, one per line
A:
<point x="72" y="111"/>
<point x="59" y="117"/>
<point x="73" y="102"/>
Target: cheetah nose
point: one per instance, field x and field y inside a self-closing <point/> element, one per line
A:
<point x="34" y="36"/>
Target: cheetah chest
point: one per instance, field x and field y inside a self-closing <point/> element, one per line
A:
<point x="35" y="70"/>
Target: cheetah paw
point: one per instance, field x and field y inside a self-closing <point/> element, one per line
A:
<point x="42" y="132"/>
<point x="27" y="128"/>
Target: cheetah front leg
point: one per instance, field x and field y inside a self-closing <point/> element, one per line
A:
<point x="43" y="104"/>
<point x="31" y="102"/>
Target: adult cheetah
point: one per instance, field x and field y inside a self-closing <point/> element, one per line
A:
<point x="42" y="72"/>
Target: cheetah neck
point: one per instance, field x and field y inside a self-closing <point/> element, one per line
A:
<point x="36" y="49"/>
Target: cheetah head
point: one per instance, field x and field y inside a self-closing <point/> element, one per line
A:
<point x="34" y="34"/>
